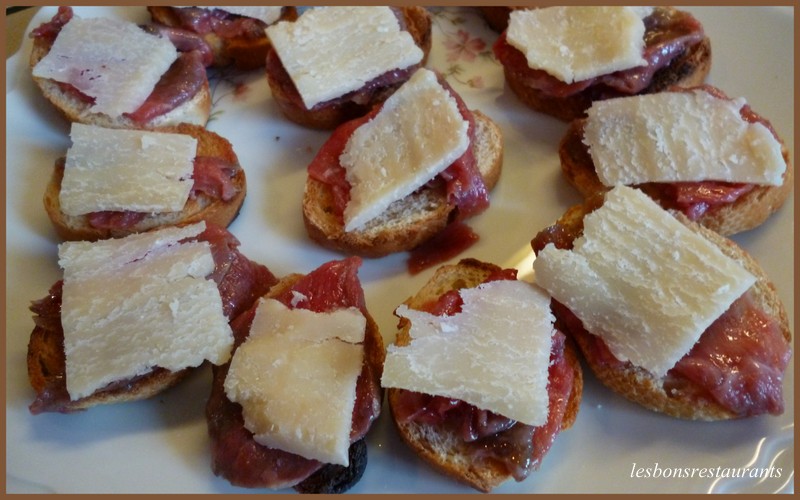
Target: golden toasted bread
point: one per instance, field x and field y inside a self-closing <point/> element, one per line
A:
<point x="195" y="111"/>
<point x="240" y="281"/>
<point x="632" y="382"/>
<point x="200" y="207"/>
<point x="225" y="423"/>
<point x="746" y="212"/>
<point x="328" y="116"/>
<point x="407" y="222"/>
<point x="443" y="448"/>
<point x="688" y="69"/>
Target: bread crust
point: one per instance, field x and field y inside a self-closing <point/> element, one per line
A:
<point x="687" y="70"/>
<point x="46" y="357"/>
<point x="201" y="207"/>
<point x="443" y="448"/>
<point x="639" y="385"/>
<point x="747" y="212"/>
<point x="407" y="222"/>
<point x="194" y="111"/>
<point x="418" y="23"/>
<point x="242" y="52"/>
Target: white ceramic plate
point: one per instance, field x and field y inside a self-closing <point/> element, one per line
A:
<point x="161" y="445"/>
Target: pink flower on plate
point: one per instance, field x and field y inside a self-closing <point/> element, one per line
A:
<point x="461" y="46"/>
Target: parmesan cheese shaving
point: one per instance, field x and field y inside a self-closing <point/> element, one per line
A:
<point x="679" y="137"/>
<point x="295" y="378"/>
<point x="578" y="43"/>
<point x="132" y="304"/>
<point x="113" y="61"/>
<point x="494" y="354"/>
<point x="641" y="280"/>
<point x="417" y="134"/>
<point x="126" y="170"/>
<point x="330" y="51"/>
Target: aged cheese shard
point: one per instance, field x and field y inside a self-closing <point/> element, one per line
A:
<point x="578" y="43"/>
<point x="330" y="51"/>
<point x="641" y="280"/>
<point x="136" y="303"/>
<point x="295" y="378"/>
<point x="417" y="134"/>
<point x="113" y="61"/>
<point x="680" y="137"/>
<point x="126" y="170"/>
<point x="494" y="354"/>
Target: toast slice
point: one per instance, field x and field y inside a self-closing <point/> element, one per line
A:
<point x="418" y="23"/>
<point x="407" y="222"/>
<point x="238" y="458"/>
<point x="244" y="51"/>
<point x="195" y="111"/>
<point x="688" y="69"/>
<point x="632" y="382"/>
<point x="239" y="280"/>
<point x="747" y="212"/>
<point x="200" y="207"/>
<point x="443" y="448"/>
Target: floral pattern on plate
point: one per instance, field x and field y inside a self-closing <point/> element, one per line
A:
<point x="462" y="47"/>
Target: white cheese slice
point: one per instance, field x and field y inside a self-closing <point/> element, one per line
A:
<point x="295" y="378"/>
<point x="680" y="136"/>
<point x="105" y="256"/>
<point x="113" y="61"/>
<point x="330" y="51"/>
<point x="267" y="15"/>
<point x="578" y="43"/>
<point x="136" y="303"/>
<point x="494" y="354"/>
<point x="417" y="134"/>
<point x="134" y="170"/>
<point x="641" y="280"/>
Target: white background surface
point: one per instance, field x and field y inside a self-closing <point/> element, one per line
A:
<point x="161" y="445"/>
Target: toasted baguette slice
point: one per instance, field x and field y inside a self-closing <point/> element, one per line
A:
<point x="226" y="425"/>
<point x="747" y="212"/>
<point x="195" y="111"/>
<point x="407" y="222"/>
<point x="200" y="207"/>
<point x="443" y="448"/>
<point x="46" y="359"/>
<point x="639" y="385"/>
<point x="418" y="23"/>
<point x="689" y="69"/>
<point x="243" y="51"/>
